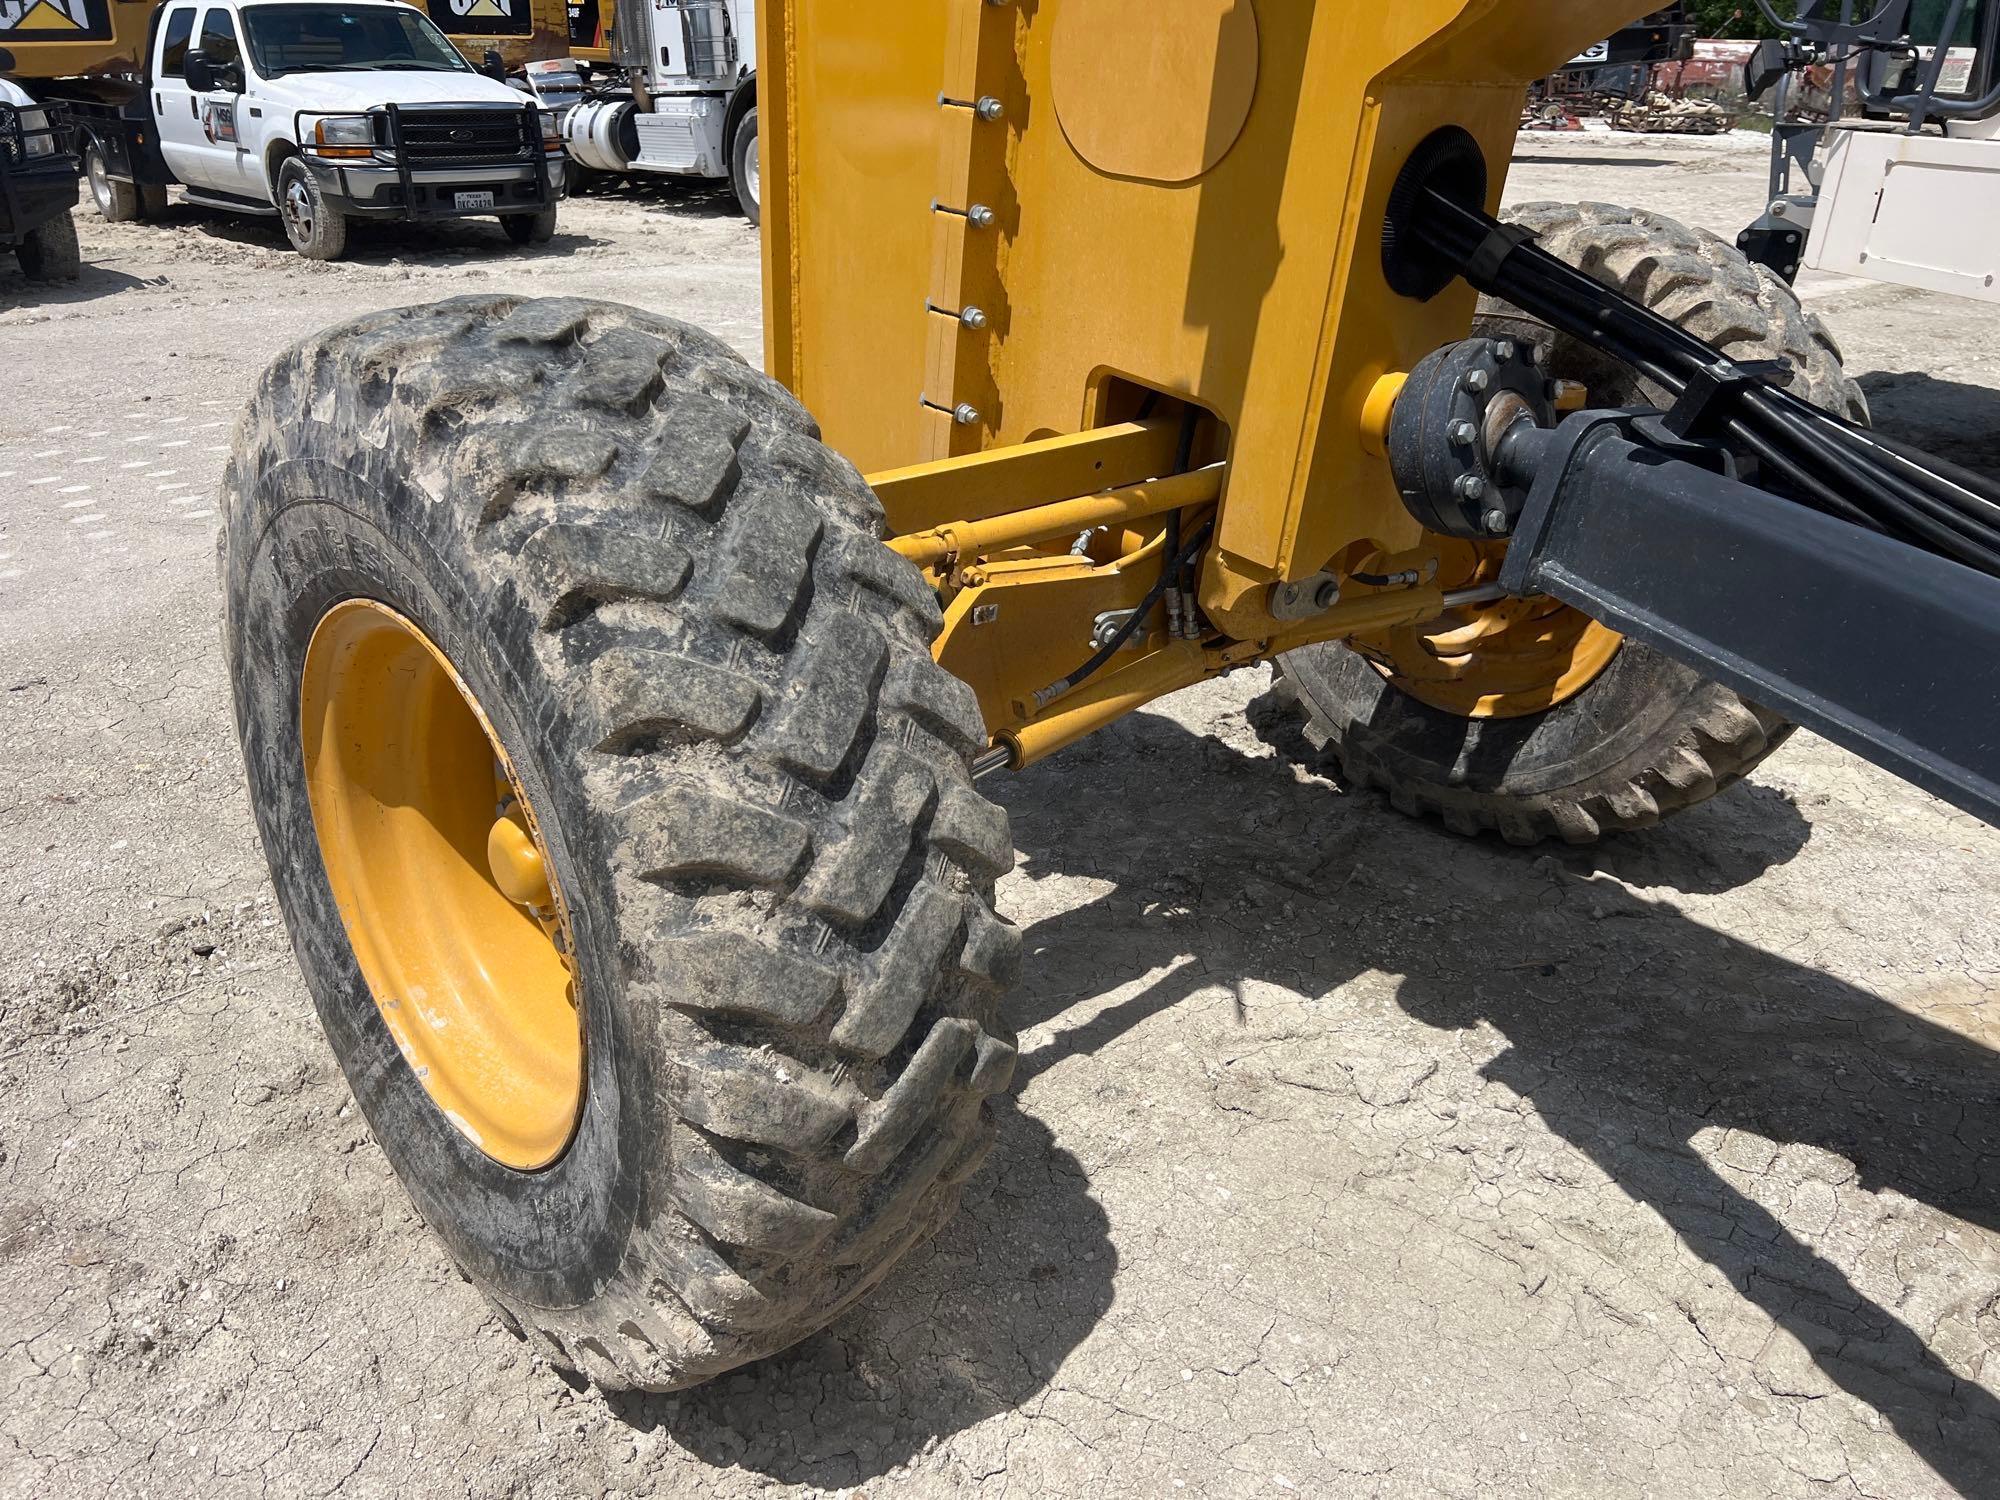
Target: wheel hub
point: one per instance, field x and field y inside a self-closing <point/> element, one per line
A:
<point x="1500" y="660"/>
<point x="442" y="881"/>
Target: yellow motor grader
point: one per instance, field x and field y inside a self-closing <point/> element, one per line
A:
<point x="612" y="711"/>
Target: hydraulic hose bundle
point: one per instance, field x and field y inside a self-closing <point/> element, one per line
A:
<point x="1807" y="454"/>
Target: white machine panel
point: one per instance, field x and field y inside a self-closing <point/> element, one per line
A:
<point x="1915" y="210"/>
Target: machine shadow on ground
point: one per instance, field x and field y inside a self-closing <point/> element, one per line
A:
<point x="1647" y="1029"/>
<point x="381" y="243"/>
<point x="693" y="198"/>
<point x="1953" y="419"/>
<point x="970" y="1326"/>
<point x="16" y="291"/>
<point x="1627" y="1048"/>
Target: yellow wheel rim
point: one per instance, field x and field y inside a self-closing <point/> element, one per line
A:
<point x="1501" y="660"/>
<point x="443" y="883"/>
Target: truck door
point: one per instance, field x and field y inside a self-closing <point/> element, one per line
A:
<point x="176" y="113"/>
<point x="225" y="165"/>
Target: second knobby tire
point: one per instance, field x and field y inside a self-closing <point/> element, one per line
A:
<point x="50" y="252"/>
<point x="714" y="685"/>
<point x="1645" y="736"/>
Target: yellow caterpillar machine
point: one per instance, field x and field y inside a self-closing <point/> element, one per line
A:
<point x="613" y="739"/>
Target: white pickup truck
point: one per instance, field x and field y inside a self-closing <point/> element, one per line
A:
<point x="320" y="111"/>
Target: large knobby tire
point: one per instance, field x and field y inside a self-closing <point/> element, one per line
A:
<point x="715" y="685"/>
<point x="50" y="252"/>
<point x="1647" y="736"/>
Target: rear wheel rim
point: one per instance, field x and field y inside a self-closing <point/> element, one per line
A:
<point x="1501" y="660"/>
<point x="753" y="173"/>
<point x="100" y="181"/>
<point x="443" y="883"/>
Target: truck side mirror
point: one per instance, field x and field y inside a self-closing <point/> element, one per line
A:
<point x="493" y="65"/>
<point x="198" y="72"/>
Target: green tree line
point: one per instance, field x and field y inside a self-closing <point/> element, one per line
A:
<point x="1734" y="18"/>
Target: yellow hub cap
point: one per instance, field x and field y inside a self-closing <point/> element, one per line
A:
<point x="1501" y="660"/>
<point x="442" y="882"/>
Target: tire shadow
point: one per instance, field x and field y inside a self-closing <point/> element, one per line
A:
<point x="967" y="1327"/>
<point x="1716" y="846"/>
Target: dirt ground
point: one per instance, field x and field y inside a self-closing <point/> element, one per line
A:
<point x="1349" y="1158"/>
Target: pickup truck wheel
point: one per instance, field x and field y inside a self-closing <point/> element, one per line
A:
<point x="622" y="821"/>
<point x="50" y="252"/>
<point x="316" y="227"/>
<point x="746" y="168"/>
<point x="117" y="200"/>
<point x="531" y="229"/>
<point x="1527" y="718"/>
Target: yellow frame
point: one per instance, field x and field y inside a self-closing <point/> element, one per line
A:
<point x="1250" y="290"/>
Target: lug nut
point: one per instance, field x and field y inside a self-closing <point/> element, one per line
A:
<point x="1470" y="487"/>
<point x="1476" y="381"/>
<point x="1462" y="432"/>
<point x="1496" y="521"/>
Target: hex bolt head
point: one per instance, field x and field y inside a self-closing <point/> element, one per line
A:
<point x="1476" y="381"/>
<point x="1539" y="355"/>
<point x="1496" y="521"/>
<point x="989" y="108"/>
<point x="979" y="216"/>
<point x="1505" y="350"/>
<point x="1462" y="432"/>
<point x="965" y="414"/>
<point x="972" y="317"/>
<point x="1470" y="487"/>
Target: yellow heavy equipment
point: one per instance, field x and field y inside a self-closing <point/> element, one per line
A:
<point x="613" y="740"/>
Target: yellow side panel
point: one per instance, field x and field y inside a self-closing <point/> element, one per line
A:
<point x="1233" y="258"/>
<point x="844" y="307"/>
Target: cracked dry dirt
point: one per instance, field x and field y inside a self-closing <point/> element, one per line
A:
<point x="1349" y="1158"/>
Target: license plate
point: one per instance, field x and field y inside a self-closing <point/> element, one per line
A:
<point x="473" y="200"/>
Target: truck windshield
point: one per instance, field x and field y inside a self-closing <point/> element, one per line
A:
<point x="323" y="38"/>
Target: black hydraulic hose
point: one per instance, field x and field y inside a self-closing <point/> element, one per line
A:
<point x="1823" y="461"/>
<point x="1170" y="569"/>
